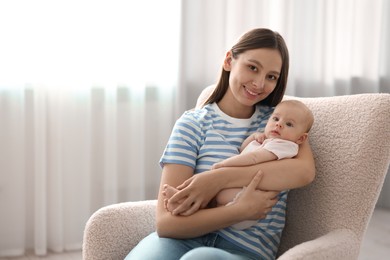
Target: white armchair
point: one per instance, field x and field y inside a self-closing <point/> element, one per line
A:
<point x="325" y="220"/>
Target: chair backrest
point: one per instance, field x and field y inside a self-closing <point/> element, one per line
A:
<point x="350" y="139"/>
<point x="351" y="144"/>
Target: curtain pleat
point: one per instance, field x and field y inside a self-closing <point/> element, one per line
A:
<point x="12" y="188"/>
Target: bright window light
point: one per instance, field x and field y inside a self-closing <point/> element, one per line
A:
<point x="84" y="43"/>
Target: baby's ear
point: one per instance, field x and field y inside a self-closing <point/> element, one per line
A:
<point x="302" y="138"/>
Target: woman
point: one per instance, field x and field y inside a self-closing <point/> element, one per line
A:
<point x="253" y="81"/>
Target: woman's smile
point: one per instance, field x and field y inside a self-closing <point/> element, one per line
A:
<point x="251" y="92"/>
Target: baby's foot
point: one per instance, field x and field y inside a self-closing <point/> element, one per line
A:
<point x="168" y="191"/>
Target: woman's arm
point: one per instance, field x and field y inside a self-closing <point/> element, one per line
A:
<point x="253" y="204"/>
<point x="277" y="175"/>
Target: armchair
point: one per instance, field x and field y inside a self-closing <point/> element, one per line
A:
<point x="326" y="219"/>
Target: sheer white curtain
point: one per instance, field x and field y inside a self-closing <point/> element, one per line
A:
<point x="87" y="91"/>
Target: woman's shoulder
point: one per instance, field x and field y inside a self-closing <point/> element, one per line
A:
<point x="264" y="111"/>
<point x="264" y="108"/>
<point x="195" y="122"/>
<point x="197" y="115"/>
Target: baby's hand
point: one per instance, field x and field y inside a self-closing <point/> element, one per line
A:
<point x="216" y="166"/>
<point x="259" y="137"/>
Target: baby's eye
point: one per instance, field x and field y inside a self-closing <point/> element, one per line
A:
<point x="289" y="124"/>
<point x="275" y="118"/>
<point x="253" y="68"/>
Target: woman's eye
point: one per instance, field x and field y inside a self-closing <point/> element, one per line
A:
<point x="253" y="68"/>
<point x="272" y="77"/>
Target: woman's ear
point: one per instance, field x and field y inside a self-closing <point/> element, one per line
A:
<point x="227" y="62"/>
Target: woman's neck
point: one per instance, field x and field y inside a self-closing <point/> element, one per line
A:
<point x="234" y="109"/>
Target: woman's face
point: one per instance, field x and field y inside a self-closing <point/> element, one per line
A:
<point x="253" y="76"/>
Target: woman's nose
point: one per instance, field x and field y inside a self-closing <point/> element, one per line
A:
<point x="259" y="83"/>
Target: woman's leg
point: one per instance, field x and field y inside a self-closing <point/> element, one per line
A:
<point x="210" y="246"/>
<point x="218" y="248"/>
<point x="211" y="253"/>
<point x="153" y="247"/>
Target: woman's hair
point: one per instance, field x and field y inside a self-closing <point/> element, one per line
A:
<point x="256" y="39"/>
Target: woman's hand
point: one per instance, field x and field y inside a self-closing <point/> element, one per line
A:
<point x="195" y="193"/>
<point x="254" y="203"/>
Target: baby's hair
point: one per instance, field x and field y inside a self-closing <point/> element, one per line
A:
<point x="308" y="113"/>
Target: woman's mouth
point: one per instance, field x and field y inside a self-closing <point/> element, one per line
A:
<point x="251" y="92"/>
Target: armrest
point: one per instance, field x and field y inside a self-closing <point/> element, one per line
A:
<point x="112" y="231"/>
<point x="338" y="244"/>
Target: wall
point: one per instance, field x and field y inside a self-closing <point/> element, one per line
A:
<point x="384" y="198"/>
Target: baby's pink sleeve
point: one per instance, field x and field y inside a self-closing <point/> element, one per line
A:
<point x="281" y="148"/>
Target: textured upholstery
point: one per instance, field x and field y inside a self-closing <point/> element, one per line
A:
<point x="326" y="219"/>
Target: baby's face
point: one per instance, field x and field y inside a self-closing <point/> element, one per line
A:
<point x="287" y="122"/>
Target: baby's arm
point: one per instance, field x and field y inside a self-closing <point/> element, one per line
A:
<point x="259" y="155"/>
<point x="259" y="137"/>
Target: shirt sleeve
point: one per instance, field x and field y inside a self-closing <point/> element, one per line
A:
<point x="183" y="144"/>
<point x="281" y="148"/>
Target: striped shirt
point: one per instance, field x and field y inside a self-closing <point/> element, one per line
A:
<point x="205" y="136"/>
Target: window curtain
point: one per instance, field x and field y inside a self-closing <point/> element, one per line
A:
<point x="87" y="103"/>
<point x="66" y="153"/>
<point x="336" y="47"/>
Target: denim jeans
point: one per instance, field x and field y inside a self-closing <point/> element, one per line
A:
<point x="210" y="246"/>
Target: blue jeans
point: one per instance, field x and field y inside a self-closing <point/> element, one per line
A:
<point x="210" y="246"/>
